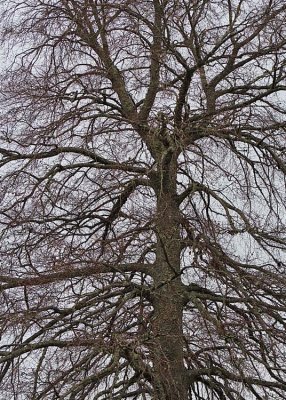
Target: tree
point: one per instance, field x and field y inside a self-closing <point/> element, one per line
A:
<point x="143" y="199"/>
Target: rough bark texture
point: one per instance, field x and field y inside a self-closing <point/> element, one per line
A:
<point x="168" y="357"/>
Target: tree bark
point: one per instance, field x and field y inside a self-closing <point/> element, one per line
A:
<point x="167" y="352"/>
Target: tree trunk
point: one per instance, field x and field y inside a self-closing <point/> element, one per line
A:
<point x="168" y="360"/>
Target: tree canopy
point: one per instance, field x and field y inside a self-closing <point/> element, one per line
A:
<point x="142" y="202"/>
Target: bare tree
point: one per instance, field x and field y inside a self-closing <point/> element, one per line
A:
<point x="143" y="199"/>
